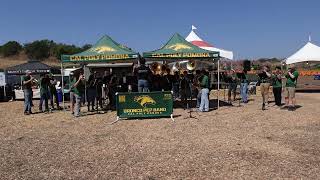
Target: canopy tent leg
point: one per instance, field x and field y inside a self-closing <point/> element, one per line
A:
<point x="4" y="92"/>
<point x="62" y="86"/>
<point x="218" y="97"/>
<point x="85" y="84"/>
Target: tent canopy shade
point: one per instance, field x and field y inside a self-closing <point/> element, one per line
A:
<point x="196" y="40"/>
<point x="309" y="52"/>
<point x="34" y="66"/>
<point x="178" y="48"/>
<point x="105" y="50"/>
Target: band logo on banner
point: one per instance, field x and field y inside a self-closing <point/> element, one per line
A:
<point x="144" y="105"/>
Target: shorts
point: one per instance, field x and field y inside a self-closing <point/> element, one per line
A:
<point x="290" y="92"/>
<point x="264" y="88"/>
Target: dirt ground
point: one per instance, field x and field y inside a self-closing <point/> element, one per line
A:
<point x="232" y="143"/>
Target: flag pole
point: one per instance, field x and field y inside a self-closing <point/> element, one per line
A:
<point x="62" y="86"/>
<point x="218" y="83"/>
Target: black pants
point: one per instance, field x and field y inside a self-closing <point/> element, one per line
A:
<point x="277" y="95"/>
<point x="54" y="97"/>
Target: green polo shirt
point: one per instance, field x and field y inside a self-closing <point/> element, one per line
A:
<point x="205" y="82"/>
<point x="276" y="83"/>
<point x="292" y="82"/>
<point x="79" y="89"/>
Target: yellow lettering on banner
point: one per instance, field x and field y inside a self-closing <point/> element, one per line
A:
<point x="99" y="57"/>
<point x="177" y="55"/>
<point x="122" y="99"/>
<point x="132" y="110"/>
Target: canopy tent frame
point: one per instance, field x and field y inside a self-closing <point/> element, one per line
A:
<point x="105" y="50"/>
<point x="178" y="49"/>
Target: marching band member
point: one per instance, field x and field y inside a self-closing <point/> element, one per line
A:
<point x="290" y="90"/>
<point x="27" y="81"/>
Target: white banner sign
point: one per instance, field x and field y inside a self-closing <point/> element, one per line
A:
<point x="2" y="79"/>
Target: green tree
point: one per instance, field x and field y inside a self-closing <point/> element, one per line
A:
<point x="10" y="48"/>
<point x="61" y="49"/>
<point x="39" y="50"/>
<point x="86" y="47"/>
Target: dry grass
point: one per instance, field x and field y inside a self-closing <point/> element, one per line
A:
<point x="232" y="143"/>
<point x="22" y="58"/>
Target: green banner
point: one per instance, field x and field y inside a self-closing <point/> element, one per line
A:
<point x="144" y="105"/>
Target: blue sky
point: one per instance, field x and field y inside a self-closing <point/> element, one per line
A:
<point x="251" y="28"/>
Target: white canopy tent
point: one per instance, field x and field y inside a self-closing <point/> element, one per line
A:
<point x="196" y="40"/>
<point x="309" y="52"/>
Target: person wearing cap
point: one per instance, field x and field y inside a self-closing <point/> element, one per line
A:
<point x="27" y="81"/>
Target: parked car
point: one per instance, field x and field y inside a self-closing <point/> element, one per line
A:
<point x="316" y="77"/>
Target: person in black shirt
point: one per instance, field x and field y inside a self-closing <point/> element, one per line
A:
<point x="265" y="78"/>
<point x="143" y="74"/>
<point x="112" y="91"/>
<point x="53" y="92"/>
<point x="232" y="79"/>
<point x="123" y="83"/>
<point x="196" y="87"/>
<point x="91" y="91"/>
<point x="98" y="88"/>
<point x="167" y="81"/>
<point x="185" y="89"/>
<point x="176" y="83"/>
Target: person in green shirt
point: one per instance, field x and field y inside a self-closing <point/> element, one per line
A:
<point x="76" y="93"/>
<point x="204" y="104"/>
<point x="44" y="92"/>
<point x="277" y="85"/>
<point x="292" y="78"/>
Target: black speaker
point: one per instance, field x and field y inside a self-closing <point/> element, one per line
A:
<point x="246" y="65"/>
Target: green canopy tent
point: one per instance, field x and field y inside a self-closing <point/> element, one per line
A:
<point x="177" y="49"/>
<point x="105" y="50"/>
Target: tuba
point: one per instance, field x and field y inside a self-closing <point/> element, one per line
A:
<point x="176" y="67"/>
<point x="191" y="65"/>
